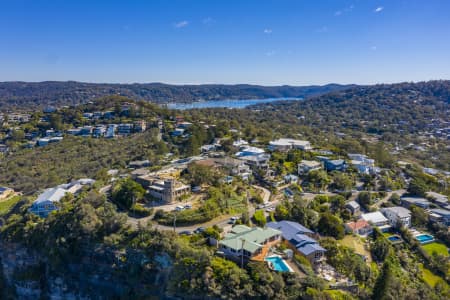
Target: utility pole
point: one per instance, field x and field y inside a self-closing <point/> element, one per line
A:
<point x="174" y="221"/>
<point x="242" y="253"/>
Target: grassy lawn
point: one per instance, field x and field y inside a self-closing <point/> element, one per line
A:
<point x="5" y="205"/>
<point x="428" y="276"/>
<point x="357" y="244"/>
<point x="435" y="247"/>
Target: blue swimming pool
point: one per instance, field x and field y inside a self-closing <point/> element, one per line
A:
<point x="278" y="264"/>
<point x="424" y="238"/>
<point x="394" y="238"/>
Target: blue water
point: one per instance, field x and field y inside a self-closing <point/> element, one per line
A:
<point x="226" y="103"/>
<point x="278" y="264"/>
<point x="424" y="238"/>
<point x="394" y="238"/>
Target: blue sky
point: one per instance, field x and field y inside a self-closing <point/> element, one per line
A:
<point x="295" y="42"/>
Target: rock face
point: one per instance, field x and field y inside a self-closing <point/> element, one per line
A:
<point x="98" y="274"/>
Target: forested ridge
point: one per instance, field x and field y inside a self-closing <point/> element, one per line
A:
<point x="26" y="95"/>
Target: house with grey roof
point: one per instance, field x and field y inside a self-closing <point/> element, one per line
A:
<point x="300" y="239"/>
<point x="397" y="215"/>
<point x="439" y="215"/>
<point x="249" y="243"/>
<point x="417" y="201"/>
<point x="46" y="202"/>
<point x="439" y="199"/>
<point x="354" y="207"/>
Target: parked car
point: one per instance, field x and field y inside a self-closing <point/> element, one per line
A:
<point x="185" y="232"/>
<point x="179" y="208"/>
<point x="187" y="206"/>
<point x="269" y="209"/>
<point x="199" y="230"/>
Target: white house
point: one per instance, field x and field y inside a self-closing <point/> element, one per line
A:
<point x="377" y="219"/>
<point x="288" y="144"/>
<point x="306" y="166"/>
<point x="397" y="214"/>
<point x="362" y="163"/>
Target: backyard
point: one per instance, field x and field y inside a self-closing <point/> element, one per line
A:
<point x="436" y="247"/>
<point x="5" y="205"/>
<point x="357" y="244"/>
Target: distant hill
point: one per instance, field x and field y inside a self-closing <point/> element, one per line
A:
<point x="56" y="93"/>
<point x="402" y="107"/>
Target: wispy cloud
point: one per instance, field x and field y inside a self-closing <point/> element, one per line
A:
<point x="181" y="24"/>
<point x="373" y="48"/>
<point x="270" y="53"/>
<point x="322" y="29"/>
<point x="345" y="10"/>
<point x="267" y="31"/>
<point x="208" y="21"/>
<point x="378" y="9"/>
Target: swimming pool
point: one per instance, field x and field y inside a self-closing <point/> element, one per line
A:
<point x="278" y="264"/>
<point x="394" y="238"/>
<point x="424" y="238"/>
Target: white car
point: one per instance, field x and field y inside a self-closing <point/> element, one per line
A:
<point x="179" y="208"/>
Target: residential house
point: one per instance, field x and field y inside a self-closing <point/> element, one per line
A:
<point x="239" y="143"/>
<point x="363" y="164"/>
<point x="235" y="167"/>
<point x="137" y="164"/>
<point x="354" y="207"/>
<point x="288" y="144"/>
<point x="167" y="190"/>
<point x="46" y="202"/>
<point x="86" y="131"/>
<point x="397" y="215"/>
<point x="111" y="131"/>
<point x="5" y="192"/>
<point x="306" y="166"/>
<point x="360" y="227"/>
<point x="439" y="215"/>
<point x="377" y="219"/>
<point x="124" y="129"/>
<point x="99" y="131"/>
<point x="439" y="199"/>
<point x="184" y="125"/>
<point x="290" y="178"/>
<point x="249" y="151"/>
<point x="333" y="164"/>
<point x="43" y="142"/>
<point x="245" y="243"/>
<point x="140" y="126"/>
<point x="260" y="161"/>
<point x="300" y="239"/>
<point x="177" y="132"/>
<point x="417" y="201"/>
<point x="3" y="148"/>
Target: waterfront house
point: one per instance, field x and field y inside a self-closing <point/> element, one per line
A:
<point x="246" y="243"/>
<point x="46" y="202"/>
<point x="439" y="199"/>
<point x="300" y="239"/>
